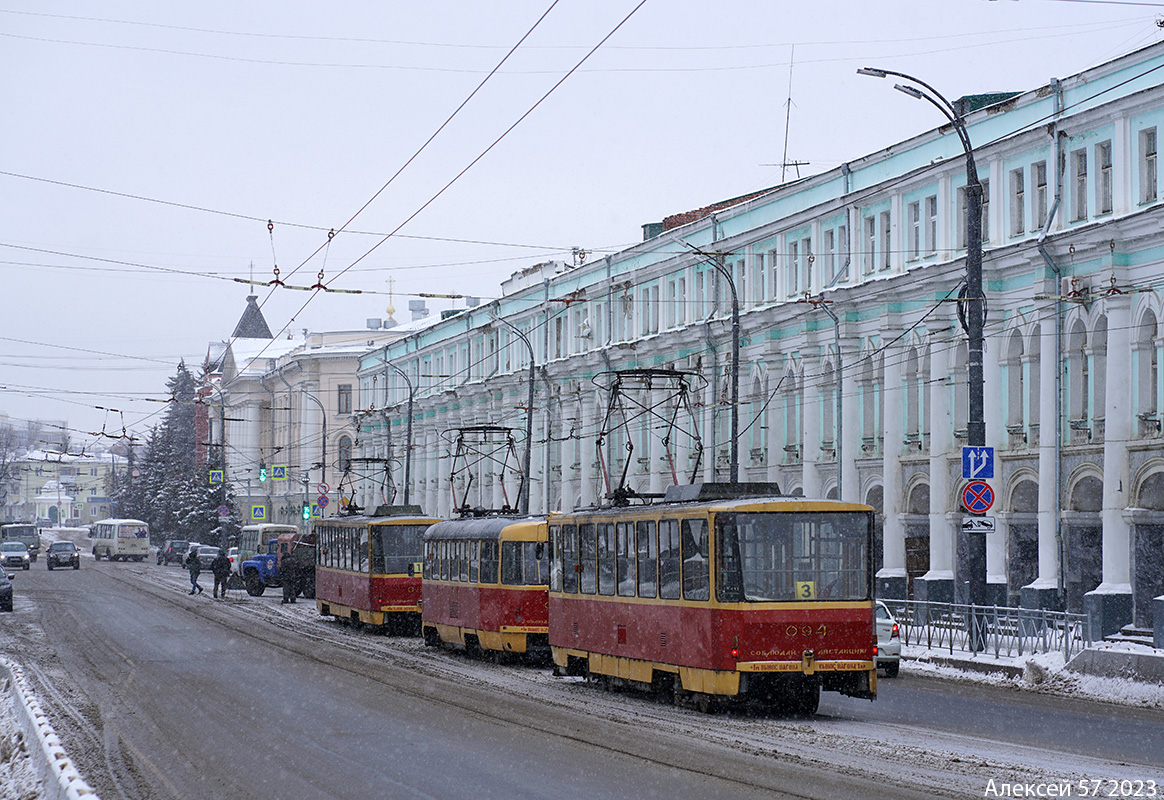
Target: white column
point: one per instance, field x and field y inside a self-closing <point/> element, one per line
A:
<point x="851" y="433"/>
<point x="587" y="426"/>
<point x="537" y="466"/>
<point x="1046" y="585"/>
<point x="810" y="436"/>
<point x="941" y="448"/>
<point x="893" y="402"/>
<point x="1117" y="432"/>
<point x="997" y="437"/>
<point x="431" y="470"/>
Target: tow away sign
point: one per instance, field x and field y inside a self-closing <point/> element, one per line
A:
<point x="978" y="525"/>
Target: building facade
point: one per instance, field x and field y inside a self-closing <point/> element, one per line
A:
<point x="853" y="368"/>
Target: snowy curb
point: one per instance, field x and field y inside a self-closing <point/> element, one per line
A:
<point x="60" y="781"/>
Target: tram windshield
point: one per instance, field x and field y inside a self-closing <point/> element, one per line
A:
<point x="767" y="557"/>
<point x="524" y="564"/>
<point x="395" y="547"/>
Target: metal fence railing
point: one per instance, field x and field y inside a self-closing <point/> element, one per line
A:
<point x="989" y="630"/>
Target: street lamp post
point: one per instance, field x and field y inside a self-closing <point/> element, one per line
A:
<point x="734" y="454"/>
<point x="408" y="433"/>
<point x="527" y="457"/>
<point x="975" y="546"/>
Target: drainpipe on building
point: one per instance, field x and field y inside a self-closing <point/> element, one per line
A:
<point x="1057" y="107"/>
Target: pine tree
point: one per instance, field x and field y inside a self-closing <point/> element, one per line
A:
<point x="173" y="494"/>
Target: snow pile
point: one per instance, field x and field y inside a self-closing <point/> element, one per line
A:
<point x="33" y="764"/>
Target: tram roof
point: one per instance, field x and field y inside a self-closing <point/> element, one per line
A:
<point x="478" y="527"/>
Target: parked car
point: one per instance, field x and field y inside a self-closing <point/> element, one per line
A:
<point x="63" y="554"/>
<point x="888" y="641"/>
<point x="5" y="590"/>
<point x="173" y="551"/>
<point x="14" y="554"/>
<point x="206" y="554"/>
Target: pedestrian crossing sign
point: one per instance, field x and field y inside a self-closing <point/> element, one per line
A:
<point x="259" y="513"/>
<point x="278" y="472"/>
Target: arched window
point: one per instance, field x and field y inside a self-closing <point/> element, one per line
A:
<point x="1147" y="368"/>
<point x="912" y="398"/>
<point x="1077" y="375"/>
<point x="1014" y="383"/>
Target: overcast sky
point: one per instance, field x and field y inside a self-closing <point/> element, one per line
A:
<point x="181" y="128"/>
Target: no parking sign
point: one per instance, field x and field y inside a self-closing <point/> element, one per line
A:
<point x="977" y="497"/>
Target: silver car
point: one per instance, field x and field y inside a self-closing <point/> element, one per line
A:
<point x="888" y="641"/>
<point x="206" y="554"/>
<point x="14" y="554"/>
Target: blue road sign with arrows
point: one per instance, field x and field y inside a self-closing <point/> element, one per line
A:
<point x="977" y="463"/>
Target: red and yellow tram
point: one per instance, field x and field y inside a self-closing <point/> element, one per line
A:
<point x="368" y="567"/>
<point x="715" y="594"/>
<point x="485" y="584"/>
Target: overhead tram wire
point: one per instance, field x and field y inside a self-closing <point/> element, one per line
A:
<point x="471" y="164"/>
<point x="434" y="135"/>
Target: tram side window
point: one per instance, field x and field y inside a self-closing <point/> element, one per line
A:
<point x="696" y="580"/>
<point x="625" y="532"/>
<point x="444" y="558"/>
<point x="488" y="562"/>
<point x="606" y="558"/>
<point x="464" y="548"/>
<point x="569" y="555"/>
<point x="669" y="559"/>
<point x="364" y="550"/>
<point x="556" y="559"/>
<point x="648" y="557"/>
<point x="474" y="555"/>
<point x="428" y="559"/>
<point x="587" y="569"/>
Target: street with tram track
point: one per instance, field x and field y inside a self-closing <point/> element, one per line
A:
<point x="159" y="694"/>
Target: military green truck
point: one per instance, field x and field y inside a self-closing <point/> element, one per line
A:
<point x="25" y="532"/>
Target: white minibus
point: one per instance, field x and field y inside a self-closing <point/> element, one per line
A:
<point x="120" y="539"/>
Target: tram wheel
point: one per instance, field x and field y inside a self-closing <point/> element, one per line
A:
<point x="431" y="638"/>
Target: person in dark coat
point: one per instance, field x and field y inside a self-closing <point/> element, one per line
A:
<point x="194" y="564"/>
<point x="289" y="576"/>
<point x="220" y="566"/>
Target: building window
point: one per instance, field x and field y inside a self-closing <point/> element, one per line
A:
<point x="931" y="224"/>
<point x="343" y="399"/>
<point x="915" y="233"/>
<point x="757" y="278"/>
<point x="870" y="243"/>
<point x="1017" y="202"/>
<point x="1103" y="169"/>
<point x="793" y="268"/>
<point x="1079" y="175"/>
<point x="829" y="253"/>
<point x="344" y="461"/>
<point x="1148" y="165"/>
<point x="1039" y="179"/>
<point x="886" y="241"/>
<point x="807" y="259"/>
<point x="985" y="210"/>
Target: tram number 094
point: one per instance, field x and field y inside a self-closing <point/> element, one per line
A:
<point x="805" y="630"/>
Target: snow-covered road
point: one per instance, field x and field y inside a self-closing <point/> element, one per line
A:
<point x="944" y="761"/>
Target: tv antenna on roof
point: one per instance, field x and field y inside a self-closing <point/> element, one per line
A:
<point x="784" y="162"/>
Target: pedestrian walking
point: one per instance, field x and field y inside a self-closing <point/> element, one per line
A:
<point x="220" y="566"/>
<point x="194" y="564"/>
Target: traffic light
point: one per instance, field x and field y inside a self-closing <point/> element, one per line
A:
<point x="262" y="473"/>
<point x="307" y="510"/>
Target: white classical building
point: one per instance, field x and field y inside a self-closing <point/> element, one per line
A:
<point x="849" y="279"/>
<point x="283" y="411"/>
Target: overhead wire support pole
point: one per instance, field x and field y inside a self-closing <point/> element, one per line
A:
<point x="526" y="459"/>
<point x="408" y="430"/>
<point x="974" y="305"/>
<point x="714" y="260"/>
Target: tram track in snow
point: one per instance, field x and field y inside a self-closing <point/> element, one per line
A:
<point x="938" y="764"/>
